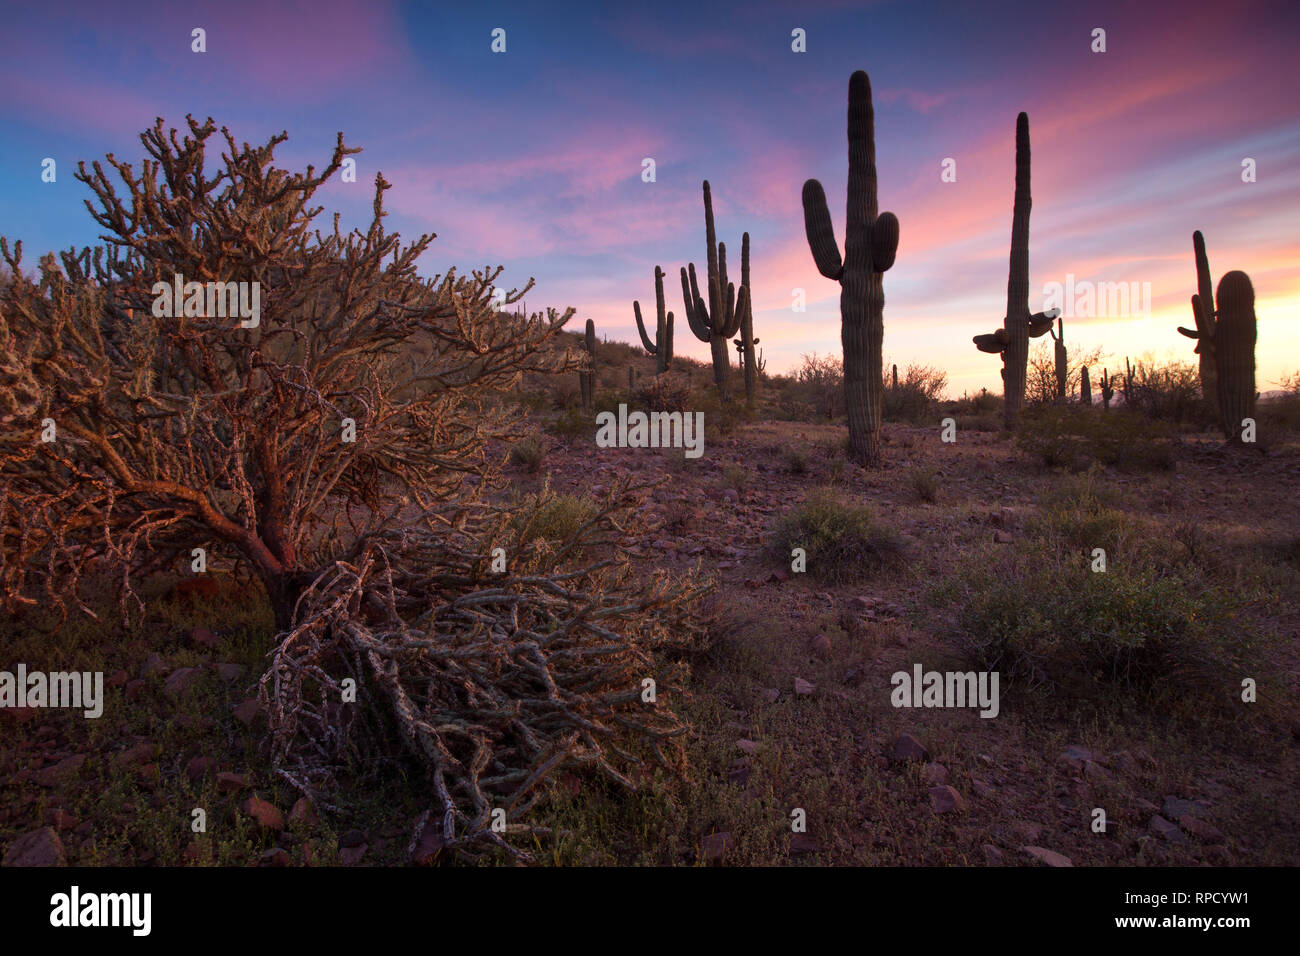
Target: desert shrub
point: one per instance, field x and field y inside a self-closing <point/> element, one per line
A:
<point x="1040" y="374"/>
<point x="552" y="517"/>
<point x="1045" y="619"/>
<point x="1077" y="514"/>
<point x="665" y="393"/>
<point x="819" y="385"/>
<point x="917" y="396"/>
<point x="1075" y="437"/>
<point x="572" y="424"/>
<point x="844" y="542"/>
<point x="925" y="483"/>
<point x="795" y="461"/>
<point x="528" y="453"/>
<point x="1164" y="391"/>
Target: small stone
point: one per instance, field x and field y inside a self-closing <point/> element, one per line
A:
<point x="276" y="856"/>
<point x="769" y="695"/>
<point x="992" y="855"/>
<point x="821" y="645"/>
<point x="1002" y="537"/>
<point x="203" y="637"/>
<point x="1027" y="831"/>
<point x="38" y="848"/>
<point x="982" y="789"/>
<point x="137" y="754"/>
<point x="907" y="748"/>
<point x="747" y="746"/>
<point x="199" y="767"/>
<point x="133" y="688"/>
<point x="179" y="681"/>
<point x="428" y="848"/>
<point x="935" y="774"/>
<point x="1176" y="808"/>
<point x="60" y="819"/>
<point x="353" y="838"/>
<point x="61" y="772"/>
<point x="229" y="672"/>
<point x="268" y="817"/>
<point x="715" y="846"/>
<point x="739" y="772"/>
<point x="802" y="688"/>
<point x="153" y="664"/>
<point x="779" y="575"/>
<point x="351" y="855"/>
<point x="1203" y="830"/>
<point x="1050" y="857"/>
<point x="1076" y="756"/>
<point x="1097" y="773"/>
<point x="946" y="800"/>
<point x="232" y="782"/>
<point x="118" y="678"/>
<point x="303" y="812"/>
<point x="1166" y="830"/>
<point x="801" y="844"/>
<point x="248" y="711"/>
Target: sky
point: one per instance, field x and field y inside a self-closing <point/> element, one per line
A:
<point x="532" y="158"/>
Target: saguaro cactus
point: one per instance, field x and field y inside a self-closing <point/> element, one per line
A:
<point x="745" y="344"/>
<point x="1085" y="388"/>
<point x="1203" y="313"/>
<point x="870" y="244"/>
<point x="1107" y="392"/>
<point x="1234" y="352"/>
<point x="721" y="318"/>
<point x="1012" y="340"/>
<point x="587" y="378"/>
<point x="1062" y="359"/>
<point x="662" y="347"/>
<point x="895" y="378"/>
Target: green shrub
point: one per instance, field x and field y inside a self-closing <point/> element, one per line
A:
<point x="550" y="517"/>
<point x="529" y="453"/>
<point x="917" y="396"/>
<point x="844" y="542"/>
<point x="572" y="423"/>
<point x="795" y="461"/>
<point x="1074" y="437"/>
<point x="925" y="482"/>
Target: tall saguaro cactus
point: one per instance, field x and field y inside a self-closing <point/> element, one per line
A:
<point x="1203" y="313"/>
<point x="1062" y="359"/>
<point x="1012" y="340"/>
<point x="720" y="319"/>
<point x="870" y="244"/>
<point x="587" y="379"/>
<point x="1085" y="388"/>
<point x="1234" y="352"/>
<point x="1107" y="391"/>
<point x="662" y="347"/>
<point x="745" y="345"/>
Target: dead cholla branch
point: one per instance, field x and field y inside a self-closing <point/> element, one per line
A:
<point x="493" y="681"/>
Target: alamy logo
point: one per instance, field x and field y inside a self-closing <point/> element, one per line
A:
<point x="102" y="909"/>
<point x="56" y="689"/>
<point x="1085" y="299"/>
<point x="950" y="689"/>
<point x="653" y="430"/>
<point x="212" y="300"/>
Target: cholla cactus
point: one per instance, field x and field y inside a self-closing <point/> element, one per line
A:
<point x="662" y="346"/>
<point x="720" y="319"/>
<point x="870" y="245"/>
<point x="1012" y="340"/>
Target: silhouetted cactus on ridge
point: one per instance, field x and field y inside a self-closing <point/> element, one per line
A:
<point x="1062" y="359"/>
<point x="1203" y="313"/>
<point x="662" y="347"/>
<point x="1012" y="340"/>
<point x="870" y="245"/>
<point x="1085" y="388"/>
<point x="720" y="319"/>
<point x="745" y="344"/>
<point x="587" y="379"/>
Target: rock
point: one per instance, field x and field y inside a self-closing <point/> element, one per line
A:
<point x="204" y="638"/>
<point x="769" y="695"/>
<point x="1203" y="830"/>
<point x="139" y="753"/>
<point x="248" y="711"/>
<point x="992" y="855"/>
<point x="276" y="856"/>
<point x="133" y="688"/>
<point x="820" y="645"/>
<point x="303" y="812"/>
<point x="179" y="681"/>
<point x="715" y="846"/>
<point x="946" y="800"/>
<point x="229" y="672"/>
<point x="982" y="789"/>
<point x="1002" y="537"/>
<point x="1076" y="756"/>
<point x="353" y="838"/>
<point x="802" y="688"/>
<point x="1050" y="857"/>
<point x="351" y="855"/>
<point x="118" y="678"/>
<point x="739" y="772"/>
<point x="232" y="782"/>
<point x="1176" y="808"/>
<point x="935" y="774"/>
<point x="61" y="820"/>
<point x="268" y="817"/>
<point x="1167" y="831"/>
<point x="38" y="848"/>
<point x="1097" y="773"/>
<point x="801" y="844"/>
<point x="907" y="748"/>
<point x="428" y="848"/>
<point x="199" y="767"/>
<point x="747" y="746"/>
<point x="1027" y="831"/>
<point x="153" y="664"/>
<point x="1127" y="763"/>
<point x="61" y="772"/>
